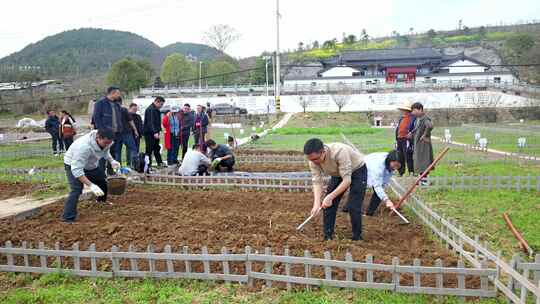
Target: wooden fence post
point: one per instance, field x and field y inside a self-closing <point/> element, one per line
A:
<point x="349" y="271"/>
<point x="248" y="266"/>
<point x="327" y="269"/>
<point x="76" y="258"/>
<point x="417" y="276"/>
<point x="187" y="263"/>
<point x="170" y="266"/>
<point x="93" y="261"/>
<point x="287" y="268"/>
<point x="461" y="277"/>
<point x="268" y="265"/>
<point x="484" y="279"/>
<point x="307" y="268"/>
<point x="439" y="276"/>
<point x="395" y="274"/>
<point x="9" y="255"/>
<point x="206" y="263"/>
<point x="115" y="261"/>
<point x="133" y="262"/>
<point x="369" y="273"/>
<point x="151" y="262"/>
<point x="477" y="241"/>
<point x="25" y="256"/>
<point x="58" y="258"/>
<point x="226" y="270"/>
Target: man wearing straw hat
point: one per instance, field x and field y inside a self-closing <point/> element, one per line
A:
<point x="404" y="144"/>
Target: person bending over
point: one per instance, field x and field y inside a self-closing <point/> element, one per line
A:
<point x="221" y="156"/>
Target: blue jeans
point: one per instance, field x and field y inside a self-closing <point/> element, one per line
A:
<point x="131" y="148"/>
<point x="172" y="154"/>
<point x="96" y="176"/>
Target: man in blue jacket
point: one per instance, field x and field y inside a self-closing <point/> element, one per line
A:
<point x="186" y="125"/>
<point x="107" y="115"/>
<point x="52" y="126"/>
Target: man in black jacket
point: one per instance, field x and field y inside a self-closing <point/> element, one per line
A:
<point x="187" y="123"/>
<point x="52" y="126"/>
<point x="152" y="128"/>
<point x="137" y="120"/>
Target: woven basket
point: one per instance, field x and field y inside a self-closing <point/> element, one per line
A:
<point x="116" y="185"/>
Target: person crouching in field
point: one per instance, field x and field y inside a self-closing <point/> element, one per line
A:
<point x="347" y="169"/>
<point x="380" y="167"/>
<point x="221" y="156"/>
<point x="81" y="163"/>
<point x="195" y="162"/>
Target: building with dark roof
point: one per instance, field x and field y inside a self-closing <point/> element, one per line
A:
<point x="400" y="65"/>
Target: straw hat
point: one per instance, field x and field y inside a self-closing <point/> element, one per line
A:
<point x="406" y="105"/>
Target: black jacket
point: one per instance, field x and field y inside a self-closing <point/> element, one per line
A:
<point x="52" y="125"/>
<point x="152" y="120"/>
<point x="188" y="122"/>
<point x="137" y="120"/>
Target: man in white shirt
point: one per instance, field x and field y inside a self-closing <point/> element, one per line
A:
<point x="195" y="162"/>
<point x="380" y="167"/>
<point x="81" y="163"/>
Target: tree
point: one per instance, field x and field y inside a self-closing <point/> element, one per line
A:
<point x="431" y="33"/>
<point x="330" y="44"/>
<point x="305" y="101"/>
<point x="342" y="96"/>
<point x="315" y="44"/>
<point x="482" y="31"/>
<point x="221" y="36"/>
<point x="364" y="37"/>
<point x="411" y="31"/>
<point x="519" y="44"/>
<point x="300" y="46"/>
<point x="219" y="68"/>
<point x="350" y="39"/>
<point x="129" y="74"/>
<point x="258" y="76"/>
<point x="176" y="69"/>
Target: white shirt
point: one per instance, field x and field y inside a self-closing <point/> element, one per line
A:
<point x="85" y="153"/>
<point x="378" y="175"/>
<point x="192" y="161"/>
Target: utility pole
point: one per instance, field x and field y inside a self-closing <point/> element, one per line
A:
<point x="266" y="58"/>
<point x="277" y="79"/>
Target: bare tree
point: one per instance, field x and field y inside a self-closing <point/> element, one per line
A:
<point x="221" y="36"/>
<point x="305" y="101"/>
<point x="342" y="96"/>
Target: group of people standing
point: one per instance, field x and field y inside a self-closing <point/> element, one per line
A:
<point x="61" y="129"/>
<point x="351" y="170"/>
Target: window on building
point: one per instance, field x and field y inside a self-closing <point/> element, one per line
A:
<point x="497" y="79"/>
<point x="314" y="84"/>
<point x="355" y="74"/>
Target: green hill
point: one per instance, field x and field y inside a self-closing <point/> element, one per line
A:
<point x="88" y="50"/>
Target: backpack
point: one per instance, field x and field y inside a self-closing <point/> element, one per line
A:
<point x="139" y="163"/>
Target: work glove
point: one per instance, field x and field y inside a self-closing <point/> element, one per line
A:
<point x="96" y="190"/>
<point x="389" y="204"/>
<point x="115" y="165"/>
<point x="218" y="159"/>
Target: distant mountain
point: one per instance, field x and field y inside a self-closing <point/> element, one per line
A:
<point x="91" y="50"/>
<point x="200" y="51"/>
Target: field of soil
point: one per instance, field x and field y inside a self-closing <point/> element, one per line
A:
<point x="272" y="167"/>
<point x="161" y="216"/>
<point x="13" y="189"/>
<point x="268" y="152"/>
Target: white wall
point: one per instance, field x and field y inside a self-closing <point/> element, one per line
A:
<point x="465" y="66"/>
<point x="340" y="71"/>
<point x="508" y="78"/>
<point x="360" y="102"/>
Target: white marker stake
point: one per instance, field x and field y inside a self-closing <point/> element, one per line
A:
<point x="400" y="215"/>
<point x="307" y="220"/>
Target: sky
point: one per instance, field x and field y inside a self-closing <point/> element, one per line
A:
<point x="168" y="21"/>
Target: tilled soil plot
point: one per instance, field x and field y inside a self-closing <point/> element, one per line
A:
<point x="161" y="216"/>
<point x="272" y="167"/>
<point x="268" y="152"/>
<point x="13" y="189"/>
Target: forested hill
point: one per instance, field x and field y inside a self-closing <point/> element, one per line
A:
<point x="95" y="50"/>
